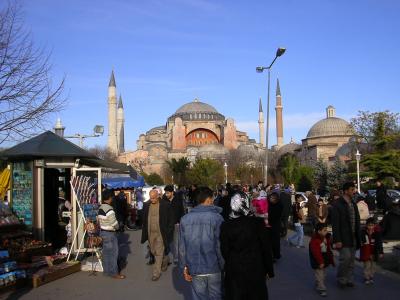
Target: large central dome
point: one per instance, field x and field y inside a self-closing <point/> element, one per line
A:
<point x="197" y="111"/>
<point x="196" y="107"/>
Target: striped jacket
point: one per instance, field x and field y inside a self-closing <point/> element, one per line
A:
<point x="107" y="218"/>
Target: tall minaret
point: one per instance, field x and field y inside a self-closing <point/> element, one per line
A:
<point x="279" y="120"/>
<point x="112" y="115"/>
<point x="120" y="126"/>
<point x="261" y="123"/>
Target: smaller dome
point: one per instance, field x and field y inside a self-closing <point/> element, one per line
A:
<point x="158" y="129"/>
<point x="331" y="126"/>
<point x="288" y="148"/>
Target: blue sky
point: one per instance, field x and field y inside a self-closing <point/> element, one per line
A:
<point x="167" y="52"/>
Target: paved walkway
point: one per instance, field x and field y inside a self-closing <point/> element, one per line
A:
<point x="294" y="280"/>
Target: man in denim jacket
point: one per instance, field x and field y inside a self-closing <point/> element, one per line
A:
<point x="199" y="247"/>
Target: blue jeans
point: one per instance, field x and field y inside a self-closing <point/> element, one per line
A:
<point x="297" y="238"/>
<point x="110" y="253"/>
<point x="207" y="287"/>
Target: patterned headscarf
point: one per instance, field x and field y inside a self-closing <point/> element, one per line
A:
<point x="240" y="206"/>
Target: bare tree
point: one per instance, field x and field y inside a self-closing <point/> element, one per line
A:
<point x="27" y="95"/>
<point x="103" y="152"/>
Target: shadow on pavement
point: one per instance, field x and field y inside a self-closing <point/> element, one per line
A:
<point x="180" y="285"/>
<point x="124" y="249"/>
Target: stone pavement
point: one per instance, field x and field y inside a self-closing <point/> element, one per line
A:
<point x="294" y="280"/>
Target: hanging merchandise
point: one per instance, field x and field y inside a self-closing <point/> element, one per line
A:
<point x="22" y="191"/>
<point x="85" y="192"/>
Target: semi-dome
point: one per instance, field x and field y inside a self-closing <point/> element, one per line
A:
<point x="197" y="110"/>
<point x="288" y="148"/>
<point x="331" y="126"/>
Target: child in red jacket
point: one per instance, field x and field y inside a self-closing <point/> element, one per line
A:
<point x="371" y="249"/>
<point x="321" y="256"/>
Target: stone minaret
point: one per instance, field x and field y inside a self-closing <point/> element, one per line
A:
<point x="112" y="115"/>
<point x="279" y="119"/>
<point x="120" y="126"/>
<point x="261" y="123"/>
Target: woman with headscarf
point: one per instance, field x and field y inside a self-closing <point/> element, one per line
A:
<point x="246" y="249"/>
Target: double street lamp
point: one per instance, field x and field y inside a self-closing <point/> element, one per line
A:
<point x="98" y="130"/>
<point x="279" y="53"/>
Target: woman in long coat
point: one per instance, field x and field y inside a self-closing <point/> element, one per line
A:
<point x="247" y="252"/>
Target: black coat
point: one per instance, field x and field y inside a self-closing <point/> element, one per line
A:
<point x="341" y="224"/>
<point x="286" y="200"/>
<point x="381" y="196"/>
<point x="225" y="204"/>
<point x="391" y="224"/>
<point x="176" y="206"/>
<point x="166" y="223"/>
<point x="275" y="214"/>
<point x="246" y="248"/>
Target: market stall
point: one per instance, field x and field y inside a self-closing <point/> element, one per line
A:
<point x="46" y="207"/>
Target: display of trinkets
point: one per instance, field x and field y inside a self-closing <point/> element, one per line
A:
<point x="22" y="194"/>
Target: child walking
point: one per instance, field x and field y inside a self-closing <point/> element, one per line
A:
<point x="321" y="256"/>
<point x="371" y="249"/>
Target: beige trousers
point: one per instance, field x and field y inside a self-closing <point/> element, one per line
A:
<point x="320" y="279"/>
<point x="369" y="269"/>
<point x="157" y="249"/>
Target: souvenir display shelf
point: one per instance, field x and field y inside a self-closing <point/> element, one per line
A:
<point x="22" y="191"/>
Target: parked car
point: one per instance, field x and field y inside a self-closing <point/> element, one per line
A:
<point x="392" y="196"/>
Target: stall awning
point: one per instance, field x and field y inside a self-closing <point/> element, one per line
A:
<point x="4" y="182"/>
<point x="117" y="183"/>
<point x="112" y="167"/>
<point x="47" y="144"/>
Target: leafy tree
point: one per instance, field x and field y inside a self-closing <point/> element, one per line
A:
<point x="288" y="166"/>
<point x="320" y="176"/>
<point x="377" y="129"/>
<point x="179" y="168"/>
<point x="153" y="179"/>
<point x="337" y="175"/>
<point x="206" y="172"/>
<point x="304" y="178"/>
<point x="383" y="164"/>
<point x="381" y="131"/>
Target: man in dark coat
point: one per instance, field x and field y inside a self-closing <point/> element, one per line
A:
<point x="381" y="196"/>
<point x="274" y="220"/>
<point x="246" y="248"/>
<point x="157" y="230"/>
<point x="346" y="234"/>
<point x="177" y="211"/>
<point x="311" y="205"/>
<point x="286" y="200"/>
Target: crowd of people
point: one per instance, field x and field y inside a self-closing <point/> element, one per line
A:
<point x="226" y="242"/>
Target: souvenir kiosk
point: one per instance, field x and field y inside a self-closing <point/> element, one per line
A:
<point x="42" y="195"/>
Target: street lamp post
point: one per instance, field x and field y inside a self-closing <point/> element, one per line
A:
<point x="358" y="158"/>
<point x="279" y="53"/>
<point x="226" y="172"/>
<point x="98" y="130"/>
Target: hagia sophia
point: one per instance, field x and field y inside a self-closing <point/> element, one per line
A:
<point x="198" y="130"/>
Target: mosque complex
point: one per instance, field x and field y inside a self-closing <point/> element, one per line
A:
<point x="198" y="130"/>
